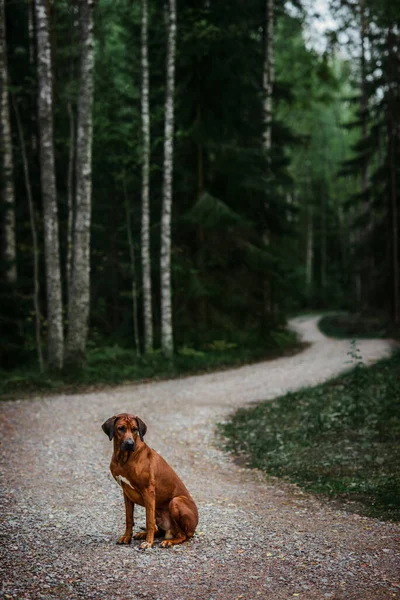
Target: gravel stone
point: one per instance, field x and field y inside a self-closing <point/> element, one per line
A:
<point x="257" y="538"/>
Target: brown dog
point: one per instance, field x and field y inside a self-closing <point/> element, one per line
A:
<point x="146" y="479"/>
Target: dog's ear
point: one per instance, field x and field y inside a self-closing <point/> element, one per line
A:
<point x="108" y="427"/>
<point x="142" y="428"/>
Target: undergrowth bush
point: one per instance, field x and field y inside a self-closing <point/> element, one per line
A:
<point x="356" y="325"/>
<point x="115" y="364"/>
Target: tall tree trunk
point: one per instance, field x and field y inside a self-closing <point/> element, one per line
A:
<point x="31" y="33"/>
<point x="133" y="272"/>
<point x="74" y="27"/>
<point x="202" y="304"/>
<point x="364" y="97"/>
<point x="392" y="151"/>
<point x="79" y="302"/>
<point x="267" y="86"/>
<point x="309" y="252"/>
<point x="7" y="167"/>
<point x="32" y="63"/>
<point x="366" y="261"/>
<point x="167" y="342"/>
<point x="52" y="256"/>
<point x="70" y="197"/>
<point x="268" y="74"/>
<point x="36" y="289"/>
<point x="323" y="255"/>
<point x="145" y="233"/>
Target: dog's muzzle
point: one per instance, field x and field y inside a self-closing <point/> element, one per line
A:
<point x="128" y="446"/>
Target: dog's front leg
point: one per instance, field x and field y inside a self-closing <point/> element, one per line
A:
<point x="129" y="510"/>
<point x="149" y="498"/>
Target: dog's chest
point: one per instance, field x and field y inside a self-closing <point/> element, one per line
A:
<point x="129" y="488"/>
<point x="121" y="480"/>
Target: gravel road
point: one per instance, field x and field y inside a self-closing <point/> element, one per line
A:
<point x="257" y="538"/>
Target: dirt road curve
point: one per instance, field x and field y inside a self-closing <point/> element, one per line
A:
<point x="62" y="513"/>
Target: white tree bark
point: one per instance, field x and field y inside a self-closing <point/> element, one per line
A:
<point x="145" y="233"/>
<point x="7" y="167"/>
<point x="79" y="301"/>
<point x="268" y="74"/>
<point x="36" y="285"/>
<point x="52" y="254"/>
<point x="167" y="342"/>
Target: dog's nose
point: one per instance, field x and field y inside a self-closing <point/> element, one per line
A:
<point x="129" y="444"/>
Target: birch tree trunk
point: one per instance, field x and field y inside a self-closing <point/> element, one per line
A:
<point x="167" y="343"/>
<point x="52" y="255"/>
<point x="36" y="285"/>
<point x="268" y="74"/>
<point x="145" y="233"/>
<point x="7" y="168"/>
<point x="79" y="301"/>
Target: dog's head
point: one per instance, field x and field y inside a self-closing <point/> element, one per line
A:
<point x="125" y="430"/>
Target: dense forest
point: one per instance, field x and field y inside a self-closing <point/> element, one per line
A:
<point x="186" y="174"/>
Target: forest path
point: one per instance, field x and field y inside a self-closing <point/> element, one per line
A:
<point x="256" y="538"/>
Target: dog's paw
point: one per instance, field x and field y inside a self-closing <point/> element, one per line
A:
<point x="124" y="540"/>
<point x="140" y="536"/>
<point x="145" y="546"/>
<point x="166" y="544"/>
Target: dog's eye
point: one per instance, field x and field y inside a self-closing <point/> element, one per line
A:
<point x="122" y="429"/>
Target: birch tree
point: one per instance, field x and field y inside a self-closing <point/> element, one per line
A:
<point x="167" y="342"/>
<point x="10" y="251"/>
<point x="145" y="232"/>
<point x="48" y="181"/>
<point x="79" y="298"/>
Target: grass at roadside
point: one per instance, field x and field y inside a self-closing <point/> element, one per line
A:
<point x="115" y="365"/>
<point x="356" y="325"/>
<point x="341" y="438"/>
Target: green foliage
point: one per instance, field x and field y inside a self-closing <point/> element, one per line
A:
<point x="359" y="325"/>
<point x="221" y="345"/>
<point x="341" y="438"/>
<point x="112" y="365"/>
<point x="190" y="352"/>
